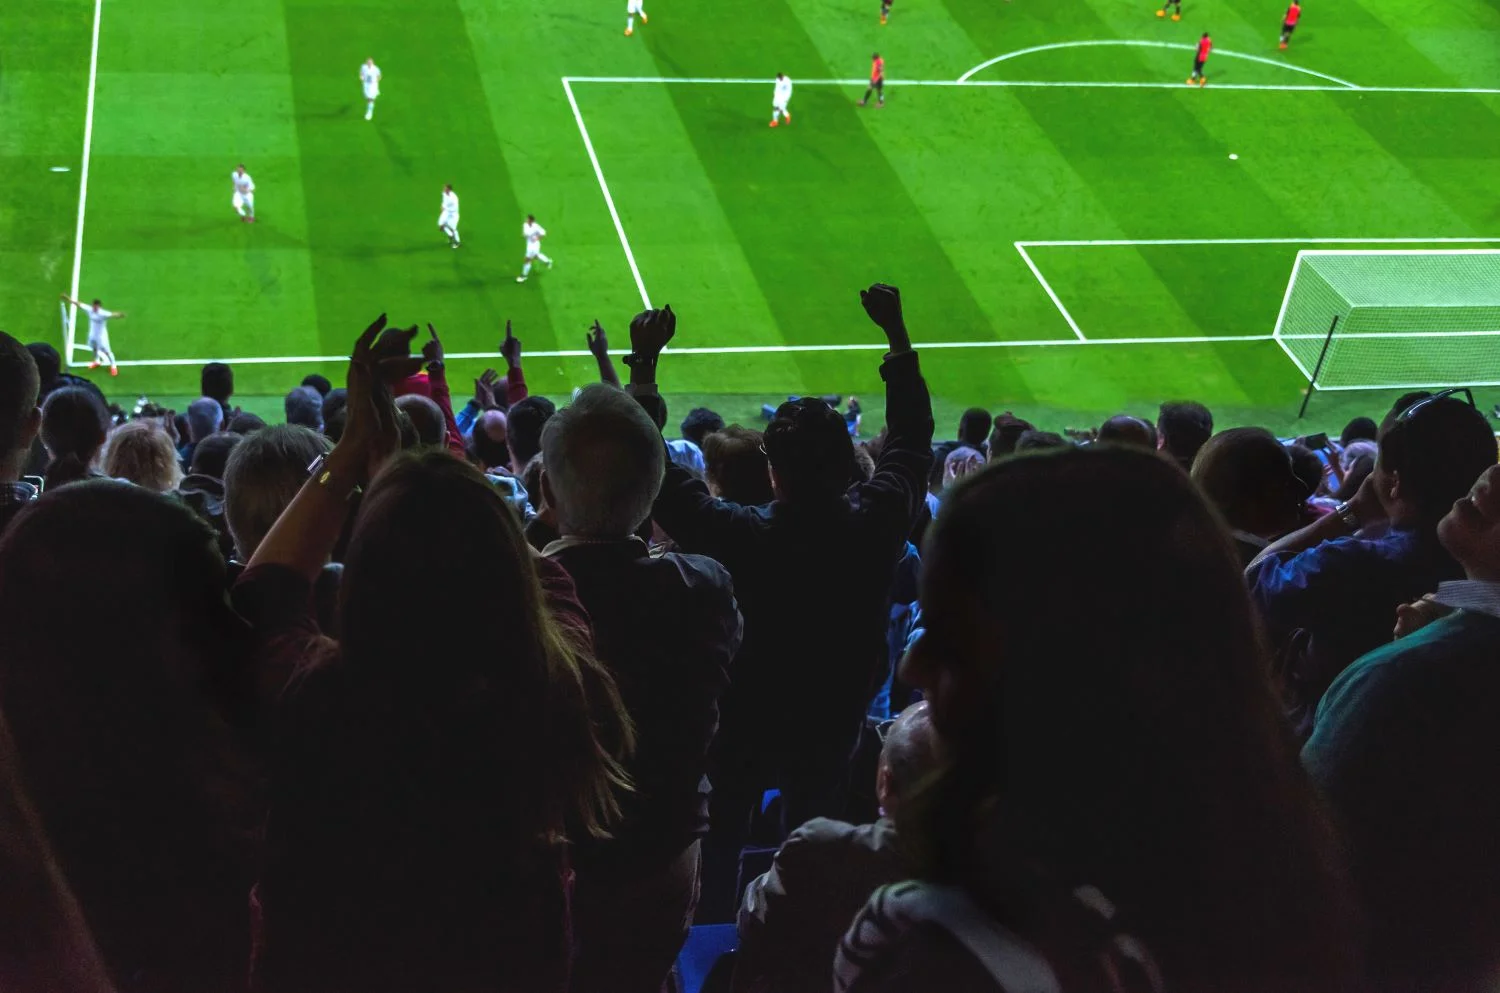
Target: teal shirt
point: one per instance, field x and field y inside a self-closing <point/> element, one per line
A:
<point x="1406" y="750"/>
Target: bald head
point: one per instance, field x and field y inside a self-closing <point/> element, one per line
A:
<point x="910" y="753"/>
<point x="426" y="416"/>
<point x="488" y="441"/>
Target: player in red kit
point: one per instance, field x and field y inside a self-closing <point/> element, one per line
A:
<point x="1289" y="23"/>
<point x="1205" y="45"/>
<point x="1176" y="11"/>
<point x="877" y="81"/>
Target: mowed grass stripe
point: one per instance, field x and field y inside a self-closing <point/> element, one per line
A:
<point x="374" y="188"/>
<point x="42" y="94"/>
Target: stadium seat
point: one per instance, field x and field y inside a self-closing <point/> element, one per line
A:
<point x="706" y="944"/>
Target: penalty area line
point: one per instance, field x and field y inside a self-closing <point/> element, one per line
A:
<point x="70" y="337"/>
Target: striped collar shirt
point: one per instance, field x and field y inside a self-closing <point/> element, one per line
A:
<point x="1480" y="596"/>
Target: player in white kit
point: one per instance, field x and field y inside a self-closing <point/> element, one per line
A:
<point x="534" y="234"/>
<point x="632" y="8"/>
<point x="448" y="219"/>
<point x="780" y="98"/>
<point x="99" y="332"/>
<point x="369" y="75"/>
<point x="244" y="194"/>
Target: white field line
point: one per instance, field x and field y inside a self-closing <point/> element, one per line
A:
<point x="1127" y="242"/>
<point x="1443" y="385"/>
<point x="1030" y="83"/>
<point x="83" y="185"/>
<point x="1286" y="300"/>
<point x="738" y="349"/>
<point x="1050" y="293"/>
<point x="609" y="201"/>
<point x="1124" y="43"/>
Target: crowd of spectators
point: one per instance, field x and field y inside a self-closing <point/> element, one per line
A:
<point x="506" y="697"/>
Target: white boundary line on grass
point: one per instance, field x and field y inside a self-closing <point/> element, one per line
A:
<point x="83" y="187"/>
<point x="1030" y="83"/>
<point x="609" y="201"/>
<point x="1025" y="255"/>
<point x="1127" y="43"/>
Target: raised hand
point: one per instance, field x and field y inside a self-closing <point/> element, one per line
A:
<point x="651" y="330"/>
<point x="382" y="355"/>
<point x="598" y="341"/>
<point x="484" y="389"/>
<point x="883" y="304"/>
<point x="432" y="348"/>
<point x="510" y="348"/>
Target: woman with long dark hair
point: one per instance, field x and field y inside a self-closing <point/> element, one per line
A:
<point x="429" y="772"/>
<point x="1121" y="795"/>
<point x="75" y="423"/>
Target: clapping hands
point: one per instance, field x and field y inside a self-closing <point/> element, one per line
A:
<point x="382" y="356"/>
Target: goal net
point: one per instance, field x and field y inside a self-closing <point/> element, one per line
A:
<point x="1406" y="319"/>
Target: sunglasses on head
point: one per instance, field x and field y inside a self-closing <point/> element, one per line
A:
<point x="1411" y="412"/>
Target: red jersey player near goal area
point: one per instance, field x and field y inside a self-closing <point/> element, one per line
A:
<point x="877" y="81"/>
<point x="1205" y="46"/>
<point x="1289" y="23"/>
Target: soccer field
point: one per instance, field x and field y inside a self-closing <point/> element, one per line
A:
<point x="1062" y="213"/>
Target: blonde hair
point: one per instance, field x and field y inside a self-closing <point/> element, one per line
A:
<point x="143" y="453"/>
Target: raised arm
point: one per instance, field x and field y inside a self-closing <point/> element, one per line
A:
<point x="437" y="380"/>
<point x="684" y="507"/>
<point x="304" y="535"/>
<point x="898" y="489"/>
<point x="515" y="380"/>
<point x="598" y="343"/>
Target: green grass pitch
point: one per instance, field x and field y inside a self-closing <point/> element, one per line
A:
<point x="1382" y="121"/>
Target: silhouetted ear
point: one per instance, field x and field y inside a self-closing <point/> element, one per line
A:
<point x="30" y="428"/>
<point x="548" y="499"/>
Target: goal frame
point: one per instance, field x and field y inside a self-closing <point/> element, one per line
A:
<point x="1311" y="375"/>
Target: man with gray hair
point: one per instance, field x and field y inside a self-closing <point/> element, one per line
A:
<point x="304" y="406"/>
<point x="204" y="417"/>
<point x="794" y="915"/>
<point x="667" y="627"/>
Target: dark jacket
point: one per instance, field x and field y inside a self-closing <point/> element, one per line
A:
<point x="667" y="628"/>
<point x="795" y="914"/>
<point x="814" y="583"/>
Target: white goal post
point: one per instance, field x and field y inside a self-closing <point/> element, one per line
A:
<point x="1356" y="319"/>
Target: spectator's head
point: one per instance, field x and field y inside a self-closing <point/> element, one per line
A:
<point x="1006" y="432"/>
<point x="1403" y="401"/>
<point x="1247" y="475"/>
<point x="245" y="423"/>
<point x="141" y="452"/>
<point x="1183" y="427"/>
<point x="810" y="452"/>
<point x="1127" y="429"/>
<point x="959" y="463"/>
<point x="523" y="429"/>
<point x="1116" y="722"/>
<point x="1307" y="467"/>
<point x="334" y="413"/>
<point x="211" y="455"/>
<point x="974" y="427"/>
<point x="20" y="418"/>
<point x="427" y="417"/>
<point x="1035" y="441"/>
<point x="531" y="481"/>
<point x="604" y="463"/>
<point x="319" y="383"/>
<point x="1471" y="530"/>
<point x="699" y="423"/>
<point x="1359" y="429"/>
<point x="48" y="365"/>
<point x="1430" y="457"/>
<point x="427" y="513"/>
<point x="217" y="381"/>
<point x="488" y="443"/>
<point x="121" y="720"/>
<point x="908" y="757"/>
<point x="74" y="426"/>
<point x="304" y="406"/>
<point x="686" y="454"/>
<point x="263" y="473"/>
<point x="735" y="465"/>
<point x="204" y="417"/>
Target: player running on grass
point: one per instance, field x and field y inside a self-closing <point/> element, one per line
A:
<point x="534" y="233"/>
<point x="369" y="76"/>
<point x="244" y="194"/>
<point x="1176" y="6"/>
<point x="1205" y="46"/>
<point x="877" y="81"/>
<point x="99" y="331"/>
<point x="1289" y="23"/>
<point x="448" y="219"/>
<point x="885" y="11"/>
<point x="632" y="8"/>
<point x="779" y="99"/>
